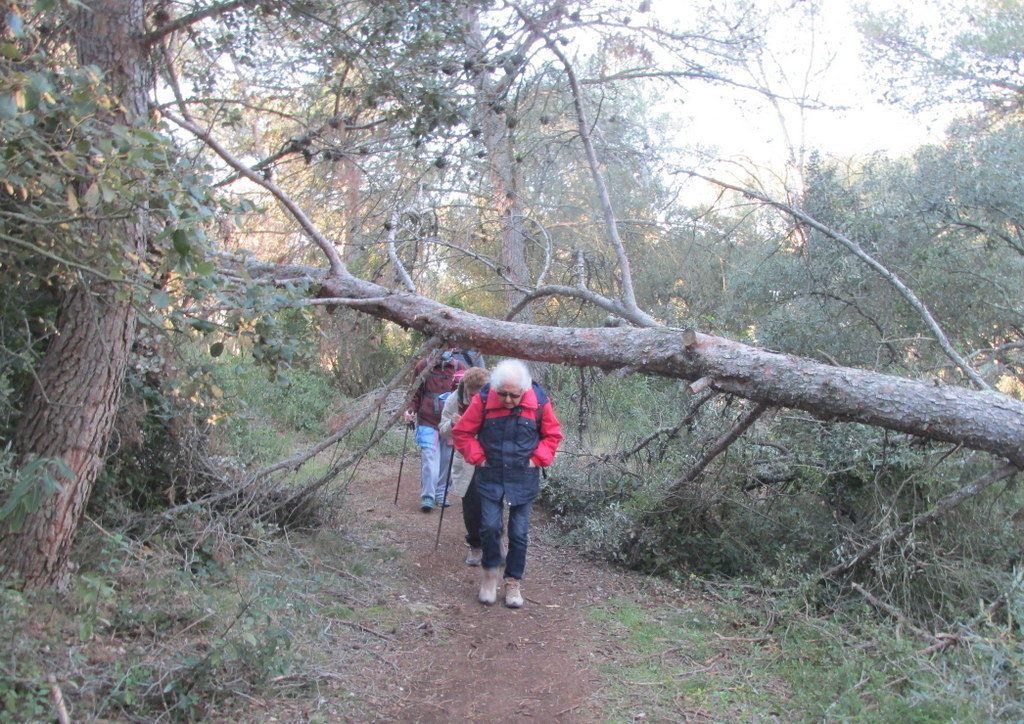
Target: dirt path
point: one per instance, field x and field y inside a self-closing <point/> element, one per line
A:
<point x="475" y="663"/>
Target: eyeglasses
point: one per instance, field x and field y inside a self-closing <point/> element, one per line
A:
<point x="513" y="395"/>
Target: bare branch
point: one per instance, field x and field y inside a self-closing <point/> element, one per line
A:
<point x="857" y="251"/>
<point x="893" y="612"/>
<point x="944" y="504"/>
<point x="668" y="432"/>
<point x="720" y="446"/>
<point x="611" y="225"/>
<point x="338" y="267"/>
<point x="185" y="21"/>
<point x="393" y="254"/>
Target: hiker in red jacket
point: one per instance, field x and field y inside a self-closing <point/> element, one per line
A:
<point x="425" y="407"/>
<point x="509" y="432"/>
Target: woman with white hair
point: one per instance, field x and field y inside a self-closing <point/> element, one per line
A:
<point x="509" y="431"/>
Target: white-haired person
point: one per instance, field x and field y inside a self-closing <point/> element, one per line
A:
<point x="509" y="432"/>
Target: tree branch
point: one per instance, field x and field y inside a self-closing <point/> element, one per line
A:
<point x="948" y="502"/>
<point x="583" y="125"/>
<point x="858" y="252"/>
<point x="393" y="254"/>
<point x="720" y="446"/>
<point x="338" y="267"/>
<point x="185" y="21"/>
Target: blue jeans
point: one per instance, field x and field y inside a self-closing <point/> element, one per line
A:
<point x="518" y="535"/>
<point x="430" y="463"/>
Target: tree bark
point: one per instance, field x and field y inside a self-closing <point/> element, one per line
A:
<point x="980" y="420"/>
<point x="71" y="408"/>
<point x="491" y="116"/>
<point x="69" y="414"/>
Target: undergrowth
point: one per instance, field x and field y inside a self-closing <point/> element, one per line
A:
<point x="157" y="634"/>
<point x="751" y="654"/>
<point x="198" y="616"/>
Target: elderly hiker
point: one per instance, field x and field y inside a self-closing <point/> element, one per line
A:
<point x="509" y="431"/>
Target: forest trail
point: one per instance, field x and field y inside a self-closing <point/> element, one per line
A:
<point x="467" y="662"/>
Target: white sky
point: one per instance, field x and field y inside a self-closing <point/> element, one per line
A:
<point x="824" y="64"/>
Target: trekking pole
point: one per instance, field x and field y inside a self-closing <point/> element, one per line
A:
<point x="405" y="445"/>
<point x="447" y="484"/>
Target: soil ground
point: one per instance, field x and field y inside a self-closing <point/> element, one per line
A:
<point x="467" y="662"/>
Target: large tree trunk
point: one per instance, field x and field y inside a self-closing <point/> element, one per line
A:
<point x="492" y="118"/>
<point x="987" y="421"/>
<point x="69" y="415"/>
<point x="71" y="409"/>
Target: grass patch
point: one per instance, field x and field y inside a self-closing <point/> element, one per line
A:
<point x="765" y="658"/>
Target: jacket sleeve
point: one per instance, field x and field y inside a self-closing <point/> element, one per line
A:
<point x="417" y="396"/>
<point x="465" y="431"/>
<point x="448" y="413"/>
<point x="550" y="437"/>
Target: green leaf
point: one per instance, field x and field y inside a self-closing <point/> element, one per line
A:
<point x="180" y="241"/>
<point x="92" y="195"/>
<point x="160" y="299"/>
<point x="8" y="106"/>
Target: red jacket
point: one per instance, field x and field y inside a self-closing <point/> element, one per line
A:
<point x="440" y="379"/>
<point x="465" y="431"/>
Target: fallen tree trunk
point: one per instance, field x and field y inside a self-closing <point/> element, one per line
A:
<point x="980" y="420"/>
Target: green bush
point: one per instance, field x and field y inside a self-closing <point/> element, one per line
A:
<point x="261" y="416"/>
<point x="791" y="497"/>
<point x="295" y="399"/>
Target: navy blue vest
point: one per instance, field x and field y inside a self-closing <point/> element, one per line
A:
<point x="509" y="440"/>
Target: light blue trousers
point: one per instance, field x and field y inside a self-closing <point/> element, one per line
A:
<point x="434" y="462"/>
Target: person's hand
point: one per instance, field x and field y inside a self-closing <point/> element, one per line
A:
<point x="455" y="418"/>
<point x="410" y="416"/>
<point x="531" y="464"/>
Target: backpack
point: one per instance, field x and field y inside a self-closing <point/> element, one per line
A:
<point x="471" y="357"/>
<point x="436" y="384"/>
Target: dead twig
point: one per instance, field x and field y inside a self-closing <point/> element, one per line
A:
<point x="58" y="700"/>
<point x="361" y="627"/>
<point x="891" y="611"/>
<point x="721" y="445"/>
<point x="947" y="503"/>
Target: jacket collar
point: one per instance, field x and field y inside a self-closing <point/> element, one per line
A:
<point x="529" y="399"/>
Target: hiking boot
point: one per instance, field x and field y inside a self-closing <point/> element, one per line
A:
<point x="426" y="504"/>
<point x="513" y="593"/>
<point x="475" y="557"/>
<point x="489" y="586"/>
<point x="443" y="503"/>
